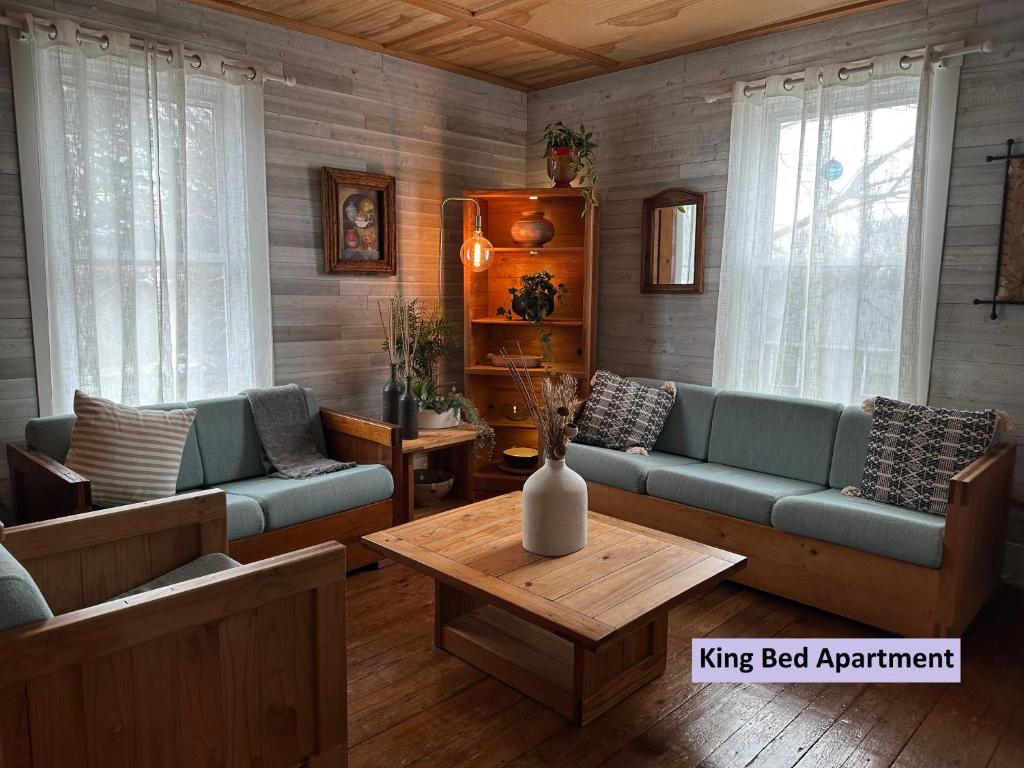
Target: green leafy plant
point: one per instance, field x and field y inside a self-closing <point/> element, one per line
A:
<point x="582" y="146"/>
<point x="433" y="397"/>
<point x="434" y="337"/>
<point x="537" y="297"/>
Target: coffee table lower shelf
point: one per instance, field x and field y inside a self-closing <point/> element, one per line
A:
<point x="575" y="681"/>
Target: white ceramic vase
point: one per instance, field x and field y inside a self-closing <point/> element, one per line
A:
<point x="554" y="510"/>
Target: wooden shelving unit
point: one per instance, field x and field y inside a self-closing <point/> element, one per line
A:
<point x="571" y="257"/>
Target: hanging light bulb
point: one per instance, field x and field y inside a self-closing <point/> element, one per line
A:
<point x="477" y="252"/>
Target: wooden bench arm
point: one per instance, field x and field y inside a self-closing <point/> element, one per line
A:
<point x="39" y="649"/>
<point x="44" y="488"/>
<point x="361" y="428"/>
<point x="207" y="509"/>
<point x="975" y="536"/>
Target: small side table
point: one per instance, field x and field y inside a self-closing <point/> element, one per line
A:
<point x="450" y="449"/>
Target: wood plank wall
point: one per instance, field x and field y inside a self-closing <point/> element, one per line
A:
<point x="437" y="133"/>
<point x="655" y="131"/>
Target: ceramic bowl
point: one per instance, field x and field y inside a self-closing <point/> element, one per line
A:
<point x="518" y="457"/>
<point x="431" y="486"/>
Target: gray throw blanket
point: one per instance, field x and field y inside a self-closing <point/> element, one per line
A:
<point x="282" y="422"/>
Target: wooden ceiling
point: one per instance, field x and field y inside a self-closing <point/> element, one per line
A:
<point x="534" y="44"/>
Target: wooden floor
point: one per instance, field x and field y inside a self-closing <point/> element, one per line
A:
<point x="412" y="705"/>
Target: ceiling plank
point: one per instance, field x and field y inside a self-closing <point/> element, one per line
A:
<point x="735" y="37"/>
<point x="416" y="39"/>
<point x="357" y="42"/>
<point x="442" y="8"/>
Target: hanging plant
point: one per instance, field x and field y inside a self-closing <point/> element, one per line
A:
<point x="581" y="146"/>
<point x="534" y="301"/>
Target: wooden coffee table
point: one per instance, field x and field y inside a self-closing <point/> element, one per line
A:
<point x="578" y="633"/>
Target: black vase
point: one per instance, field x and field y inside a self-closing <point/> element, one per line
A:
<point x="519" y="307"/>
<point x="409" y="412"/>
<point x="392" y="397"/>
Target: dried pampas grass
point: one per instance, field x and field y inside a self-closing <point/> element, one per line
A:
<point x="554" y="412"/>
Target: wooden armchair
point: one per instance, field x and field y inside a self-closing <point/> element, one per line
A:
<point x="243" y="667"/>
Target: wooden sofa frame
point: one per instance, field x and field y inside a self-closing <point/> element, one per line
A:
<point x="904" y="598"/>
<point x="243" y="667"/>
<point x="44" y="489"/>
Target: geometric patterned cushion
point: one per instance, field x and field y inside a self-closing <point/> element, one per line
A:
<point x="624" y="415"/>
<point x="914" y="450"/>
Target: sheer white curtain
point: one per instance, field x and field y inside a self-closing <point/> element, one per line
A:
<point x="820" y="291"/>
<point x="152" y="211"/>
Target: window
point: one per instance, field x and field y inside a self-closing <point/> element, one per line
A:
<point x="822" y="273"/>
<point x="147" y="235"/>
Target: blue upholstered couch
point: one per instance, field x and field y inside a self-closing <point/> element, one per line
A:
<point x="265" y="515"/>
<point x="763" y="476"/>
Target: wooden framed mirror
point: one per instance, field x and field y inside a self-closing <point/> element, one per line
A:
<point x="673" y="242"/>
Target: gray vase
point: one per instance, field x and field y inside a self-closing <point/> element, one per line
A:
<point x="392" y="398"/>
<point x="409" y="412"/>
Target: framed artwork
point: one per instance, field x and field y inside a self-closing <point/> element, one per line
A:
<point x="359" y="222"/>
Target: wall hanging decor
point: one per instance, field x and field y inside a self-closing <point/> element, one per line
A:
<point x="1009" y="282"/>
<point x="359" y="222"/>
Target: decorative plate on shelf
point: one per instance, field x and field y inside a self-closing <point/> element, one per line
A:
<point x="521" y="361"/>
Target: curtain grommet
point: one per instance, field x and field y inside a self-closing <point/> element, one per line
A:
<point x="105" y="43"/>
<point x="252" y="75"/>
<point x="843" y="74"/>
<point x="788" y="84"/>
<point x="905" y="62"/>
<point x="196" y="61"/>
<point x="52" y="34"/>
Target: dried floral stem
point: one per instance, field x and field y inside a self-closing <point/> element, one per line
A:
<point x="388" y="324"/>
<point x="553" y="413"/>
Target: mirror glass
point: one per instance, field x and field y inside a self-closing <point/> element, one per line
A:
<point x="673" y="242"/>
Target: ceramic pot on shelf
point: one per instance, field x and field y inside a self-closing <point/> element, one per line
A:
<point x="520" y="308"/>
<point x="429" y="419"/>
<point x="560" y="166"/>
<point x="533" y="230"/>
<point x="554" y="510"/>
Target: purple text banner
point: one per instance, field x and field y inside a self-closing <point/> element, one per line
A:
<point x="830" y="660"/>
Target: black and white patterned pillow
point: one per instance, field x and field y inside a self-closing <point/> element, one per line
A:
<point x="624" y="415"/>
<point x="914" y="451"/>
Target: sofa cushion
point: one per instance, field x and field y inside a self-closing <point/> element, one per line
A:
<point x="687" y="429"/>
<point x="21" y="602"/>
<point x="624" y="414"/>
<point x="894" y="532"/>
<point x="727" y="490"/>
<point x="52" y="436"/>
<point x="286" y="501"/>
<point x="204" y="565"/>
<point x="789" y="437"/>
<point x="129" y="454"/>
<point x="228" y="443"/>
<point x="245" y="516"/>
<point x="627" y="471"/>
<point x="851" y="448"/>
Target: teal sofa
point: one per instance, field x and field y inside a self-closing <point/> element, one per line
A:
<point x="763" y="476"/>
<point x="265" y="515"/>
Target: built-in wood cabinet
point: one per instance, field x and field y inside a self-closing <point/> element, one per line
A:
<point x="571" y="257"/>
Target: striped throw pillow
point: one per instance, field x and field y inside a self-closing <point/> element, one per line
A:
<point x="127" y="454"/>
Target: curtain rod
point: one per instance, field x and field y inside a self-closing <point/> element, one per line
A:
<point x="844" y="72"/>
<point x="98" y="37"/>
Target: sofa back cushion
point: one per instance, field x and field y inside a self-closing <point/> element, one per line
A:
<point x="687" y="429"/>
<point x="21" y="602"/>
<point x="789" y="437"/>
<point x="851" y="448"/>
<point x="228" y="442"/>
<point x="52" y="435"/>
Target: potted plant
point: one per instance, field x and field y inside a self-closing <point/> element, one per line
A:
<point x="433" y="337"/>
<point x="441" y="408"/>
<point x="534" y="301"/>
<point x="570" y="157"/>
